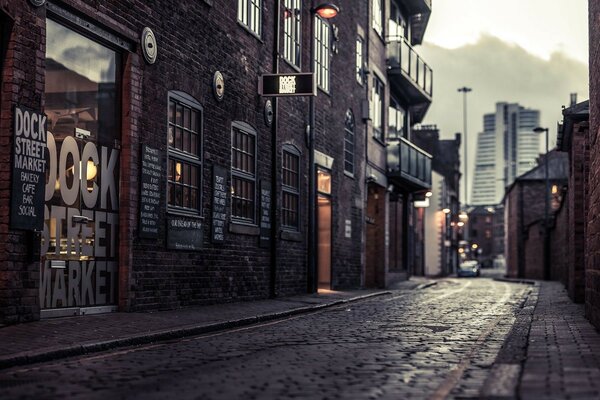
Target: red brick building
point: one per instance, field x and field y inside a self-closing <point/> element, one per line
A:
<point x="165" y="179"/>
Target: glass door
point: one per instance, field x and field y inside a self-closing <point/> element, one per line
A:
<point x="79" y="271"/>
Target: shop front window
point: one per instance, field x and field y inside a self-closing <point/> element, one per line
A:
<point x="80" y="237"/>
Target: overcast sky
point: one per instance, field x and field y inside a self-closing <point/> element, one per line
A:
<point x="533" y="52"/>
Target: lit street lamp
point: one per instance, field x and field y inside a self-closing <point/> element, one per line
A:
<point x="546" y="208"/>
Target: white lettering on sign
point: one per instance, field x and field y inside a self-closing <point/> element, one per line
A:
<point x="287" y="84"/>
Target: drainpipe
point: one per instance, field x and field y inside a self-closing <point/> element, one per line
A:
<point x="274" y="170"/>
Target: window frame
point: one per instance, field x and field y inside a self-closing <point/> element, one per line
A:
<point x="360" y="59"/>
<point x="378" y="84"/>
<point x="245" y="13"/>
<point x="322" y="54"/>
<point x="173" y="153"/>
<point x="377" y="11"/>
<point x="349" y="127"/>
<point x="237" y="173"/>
<point x="292" y="40"/>
<point x="290" y="190"/>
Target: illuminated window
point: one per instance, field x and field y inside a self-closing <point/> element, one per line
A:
<point x="185" y="149"/>
<point x="292" y="32"/>
<point x="322" y="52"/>
<point x="291" y="188"/>
<point x="249" y="14"/>
<point x="323" y="181"/>
<point x="243" y="174"/>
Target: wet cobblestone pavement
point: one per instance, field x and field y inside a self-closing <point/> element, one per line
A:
<point x="439" y="342"/>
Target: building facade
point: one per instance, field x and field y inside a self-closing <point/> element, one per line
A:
<point x="142" y="169"/>
<point x="506" y="149"/>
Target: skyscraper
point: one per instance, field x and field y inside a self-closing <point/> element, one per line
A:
<point x="506" y="148"/>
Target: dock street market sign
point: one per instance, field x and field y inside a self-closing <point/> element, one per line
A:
<point x="300" y="84"/>
<point x="28" y="170"/>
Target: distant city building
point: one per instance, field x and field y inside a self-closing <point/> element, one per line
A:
<point x="506" y="149"/>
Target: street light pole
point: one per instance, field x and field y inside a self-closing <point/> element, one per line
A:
<point x="326" y="11"/>
<point x="546" y="207"/>
<point x="464" y="91"/>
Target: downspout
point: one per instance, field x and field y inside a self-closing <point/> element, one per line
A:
<point x="274" y="170"/>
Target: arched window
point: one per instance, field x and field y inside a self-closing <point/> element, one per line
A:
<point x="185" y="153"/>
<point x="349" y="142"/>
<point x="243" y="173"/>
<point x="290" y="187"/>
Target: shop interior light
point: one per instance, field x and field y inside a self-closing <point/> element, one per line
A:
<point x="446" y="211"/>
<point x="463" y="215"/>
<point x="326" y="10"/>
<point x="474" y="245"/>
<point x="460" y="223"/>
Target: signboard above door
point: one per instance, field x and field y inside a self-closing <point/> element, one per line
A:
<point x="300" y="84"/>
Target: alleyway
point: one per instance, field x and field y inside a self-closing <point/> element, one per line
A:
<point x="439" y="342"/>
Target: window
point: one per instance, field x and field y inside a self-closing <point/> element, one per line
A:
<point x="349" y="142"/>
<point x="243" y="173"/>
<point x="398" y="28"/>
<point x="291" y="188"/>
<point x="322" y="55"/>
<point x="377" y="108"/>
<point x="359" y="60"/>
<point x="396" y="115"/>
<point x="292" y="32"/>
<point x="185" y="149"/>
<point x="249" y="14"/>
<point x="378" y="16"/>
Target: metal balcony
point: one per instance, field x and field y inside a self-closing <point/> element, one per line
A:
<point x="410" y="77"/>
<point x="408" y="166"/>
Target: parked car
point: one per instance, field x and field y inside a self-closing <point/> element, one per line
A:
<point x="469" y="268"/>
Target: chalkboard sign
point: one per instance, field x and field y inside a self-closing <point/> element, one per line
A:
<point x="219" y="204"/>
<point x="265" y="214"/>
<point x="28" y="169"/>
<point x="152" y="170"/>
<point x="184" y="233"/>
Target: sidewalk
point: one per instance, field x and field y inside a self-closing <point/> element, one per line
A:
<point x="64" y="337"/>
<point x="552" y="351"/>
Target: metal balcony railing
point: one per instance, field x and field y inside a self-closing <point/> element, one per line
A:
<point x="409" y="162"/>
<point x="402" y="56"/>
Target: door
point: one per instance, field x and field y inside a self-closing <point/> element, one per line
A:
<point x="324" y="229"/>
<point x="324" y="241"/>
<point x="79" y="271"/>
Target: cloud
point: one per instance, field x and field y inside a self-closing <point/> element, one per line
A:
<point x="498" y="71"/>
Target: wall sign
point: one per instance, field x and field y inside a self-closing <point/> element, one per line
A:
<point x="29" y="169"/>
<point x="265" y="214"/>
<point x="219" y="204"/>
<point x="184" y="233"/>
<point x="152" y="170"/>
<point x="300" y="84"/>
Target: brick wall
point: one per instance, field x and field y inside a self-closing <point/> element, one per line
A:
<point x="195" y="39"/>
<point x="22" y="82"/>
<point x="592" y="262"/>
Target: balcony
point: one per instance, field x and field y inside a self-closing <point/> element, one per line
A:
<point x="410" y="77"/>
<point x="408" y="166"/>
<point x="419" y="12"/>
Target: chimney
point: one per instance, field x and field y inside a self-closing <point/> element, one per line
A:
<point x="573" y="99"/>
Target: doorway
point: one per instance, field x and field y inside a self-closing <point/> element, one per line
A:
<point x="324" y="229"/>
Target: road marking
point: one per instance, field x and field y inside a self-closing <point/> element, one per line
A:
<point x="456" y="374"/>
<point x="447" y="294"/>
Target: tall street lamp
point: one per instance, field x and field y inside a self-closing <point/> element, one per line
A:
<point x="464" y="91"/>
<point x="325" y="11"/>
<point x="546" y="207"/>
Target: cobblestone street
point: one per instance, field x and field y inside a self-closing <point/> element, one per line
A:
<point x="438" y="342"/>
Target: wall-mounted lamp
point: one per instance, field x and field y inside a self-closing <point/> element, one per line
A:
<point x="460" y="224"/>
<point x="446" y="211"/>
<point x="429" y="194"/>
<point x="326" y="10"/>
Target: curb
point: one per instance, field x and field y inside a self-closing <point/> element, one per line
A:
<point x="518" y="280"/>
<point x="32" y="357"/>
<point x="426" y="285"/>
<point x="504" y="378"/>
